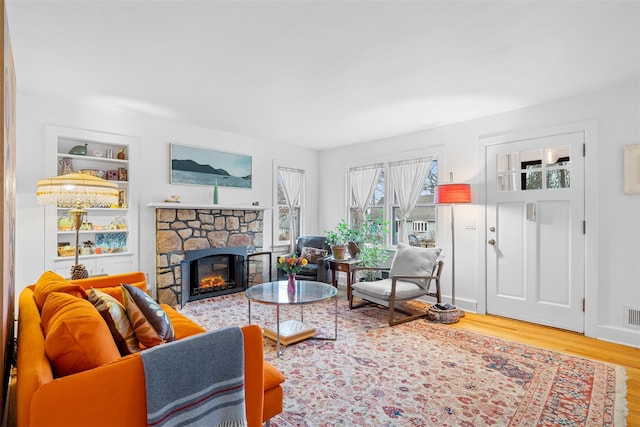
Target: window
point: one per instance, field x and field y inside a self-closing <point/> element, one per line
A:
<point x="538" y="169"/>
<point x="375" y="208"/>
<point x="285" y="214"/>
<point x="421" y="223"/>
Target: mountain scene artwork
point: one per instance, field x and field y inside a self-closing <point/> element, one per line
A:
<point x="199" y="166"/>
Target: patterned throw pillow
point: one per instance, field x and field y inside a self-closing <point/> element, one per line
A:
<point x="150" y="323"/>
<point x="116" y="317"/>
<point x="312" y="255"/>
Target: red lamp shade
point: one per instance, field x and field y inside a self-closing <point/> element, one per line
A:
<point x="447" y="194"/>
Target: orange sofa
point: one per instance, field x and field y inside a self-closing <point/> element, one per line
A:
<point x="113" y="394"/>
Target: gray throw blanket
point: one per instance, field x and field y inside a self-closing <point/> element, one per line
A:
<point x="196" y="381"/>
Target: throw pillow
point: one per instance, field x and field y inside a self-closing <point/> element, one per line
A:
<point x="76" y="336"/>
<point x="312" y="255"/>
<point x="150" y="323"/>
<point x="414" y="261"/>
<point x="116" y="291"/>
<point x="49" y="282"/>
<point x="116" y="318"/>
<point x="182" y="326"/>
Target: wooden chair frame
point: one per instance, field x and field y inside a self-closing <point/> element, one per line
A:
<point x="391" y="304"/>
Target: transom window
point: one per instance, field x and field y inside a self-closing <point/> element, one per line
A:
<point x="539" y="169"/>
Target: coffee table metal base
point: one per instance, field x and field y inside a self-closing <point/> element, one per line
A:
<point x="292" y="331"/>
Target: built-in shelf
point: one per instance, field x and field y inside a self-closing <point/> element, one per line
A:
<point x="59" y="142"/>
<point x="94" y="158"/>
<point x="81" y="232"/>
<point x="192" y="205"/>
<point x="93" y="256"/>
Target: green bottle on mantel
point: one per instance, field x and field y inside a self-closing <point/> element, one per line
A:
<point x="215" y="193"/>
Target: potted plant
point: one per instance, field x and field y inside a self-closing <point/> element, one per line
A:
<point x="372" y="255"/>
<point x="338" y="239"/>
<point x="369" y="231"/>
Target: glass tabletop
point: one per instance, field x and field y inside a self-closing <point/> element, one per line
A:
<point x="307" y="292"/>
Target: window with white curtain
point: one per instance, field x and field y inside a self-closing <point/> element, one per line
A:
<point x="284" y="215"/>
<point x="375" y="204"/>
<point x="421" y="222"/>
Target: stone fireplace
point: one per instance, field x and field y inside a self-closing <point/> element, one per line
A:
<point x="184" y="228"/>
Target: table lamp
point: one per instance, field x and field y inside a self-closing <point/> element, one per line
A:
<point x="77" y="191"/>
<point x="452" y="194"/>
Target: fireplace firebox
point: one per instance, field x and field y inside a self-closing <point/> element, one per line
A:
<point x="212" y="272"/>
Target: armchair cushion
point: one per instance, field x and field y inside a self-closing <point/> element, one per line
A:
<point x="312" y="255"/>
<point x="309" y="270"/>
<point x="381" y="289"/>
<point x="319" y="242"/>
<point x="414" y="261"/>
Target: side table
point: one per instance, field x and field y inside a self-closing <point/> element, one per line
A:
<point x="346" y="266"/>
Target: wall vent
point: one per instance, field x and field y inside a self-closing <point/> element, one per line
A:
<point x="631" y="316"/>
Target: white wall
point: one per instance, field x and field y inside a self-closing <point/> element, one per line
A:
<point x="617" y="233"/>
<point x="149" y="166"/>
<point x="616" y="111"/>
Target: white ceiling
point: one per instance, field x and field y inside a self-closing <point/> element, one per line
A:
<point x="322" y="73"/>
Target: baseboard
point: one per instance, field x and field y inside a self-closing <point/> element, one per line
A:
<point x="618" y="335"/>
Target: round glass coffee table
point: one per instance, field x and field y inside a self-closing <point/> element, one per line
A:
<point x="293" y="330"/>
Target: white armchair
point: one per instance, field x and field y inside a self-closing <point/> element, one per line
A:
<point x="413" y="271"/>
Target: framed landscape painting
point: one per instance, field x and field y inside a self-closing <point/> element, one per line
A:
<point x="200" y="166"/>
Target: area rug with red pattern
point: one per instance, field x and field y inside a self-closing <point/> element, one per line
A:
<point x="421" y="373"/>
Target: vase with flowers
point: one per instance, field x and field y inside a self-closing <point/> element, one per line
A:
<point x="291" y="264"/>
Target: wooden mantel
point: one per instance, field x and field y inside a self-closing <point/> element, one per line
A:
<point x="193" y="205"/>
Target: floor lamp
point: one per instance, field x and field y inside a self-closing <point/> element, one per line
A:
<point x="77" y="191"/>
<point x="452" y="194"/>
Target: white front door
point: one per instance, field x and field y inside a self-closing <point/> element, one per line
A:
<point x="535" y="237"/>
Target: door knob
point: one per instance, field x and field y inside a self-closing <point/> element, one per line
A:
<point x="491" y="242"/>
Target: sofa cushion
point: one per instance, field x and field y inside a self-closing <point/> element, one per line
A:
<point x="414" y="261"/>
<point x="182" y="326"/>
<point x="313" y="254"/>
<point x="150" y="323"/>
<point x="51" y="281"/>
<point x="76" y="336"/>
<point x="272" y="377"/>
<point x="116" y="291"/>
<point x="116" y="318"/>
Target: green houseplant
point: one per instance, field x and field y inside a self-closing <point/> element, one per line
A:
<point x="338" y="238"/>
<point x="372" y="255"/>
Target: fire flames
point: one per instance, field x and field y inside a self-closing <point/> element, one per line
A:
<point x="212" y="282"/>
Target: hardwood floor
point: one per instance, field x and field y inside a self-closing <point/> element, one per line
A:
<point x="564" y="342"/>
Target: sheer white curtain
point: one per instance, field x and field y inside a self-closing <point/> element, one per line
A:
<point x="407" y="179"/>
<point x="363" y="182"/>
<point x="292" y="181"/>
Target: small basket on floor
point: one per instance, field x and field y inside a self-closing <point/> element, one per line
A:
<point x="444" y="316"/>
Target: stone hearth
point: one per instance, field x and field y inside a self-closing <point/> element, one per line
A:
<point x="180" y="229"/>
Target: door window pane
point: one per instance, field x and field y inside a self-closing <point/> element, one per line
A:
<point x="507" y="181"/>
<point x="508" y="162"/>
<point x="532" y="181"/>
